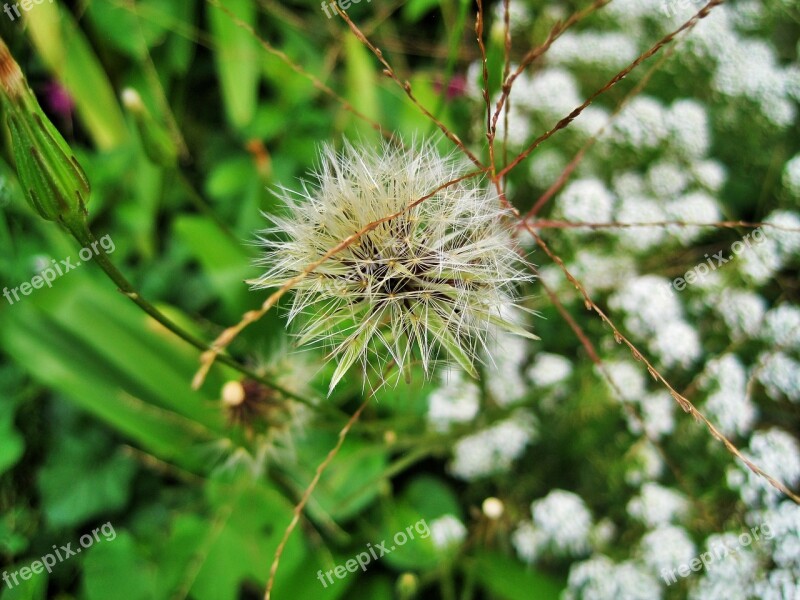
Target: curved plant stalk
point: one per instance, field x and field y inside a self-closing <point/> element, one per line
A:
<point x="298" y="509"/>
<point x="58" y="190"/>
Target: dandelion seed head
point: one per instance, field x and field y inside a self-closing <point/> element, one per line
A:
<point x="419" y="267"/>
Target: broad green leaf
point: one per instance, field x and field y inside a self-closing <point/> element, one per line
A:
<point x="508" y="579"/>
<point x="84" y="478"/>
<point x="350" y="483"/>
<point x="65" y="50"/>
<point x="237" y="57"/>
<point x="117" y="569"/>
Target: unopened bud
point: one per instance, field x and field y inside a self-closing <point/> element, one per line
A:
<point x="407" y="586"/>
<point x="48" y="172"/>
<point x="157" y="144"/>
<point x="493" y="508"/>
<point x="233" y="393"/>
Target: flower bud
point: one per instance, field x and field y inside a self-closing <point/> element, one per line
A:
<point x="48" y="172"/>
<point x="157" y="144"/>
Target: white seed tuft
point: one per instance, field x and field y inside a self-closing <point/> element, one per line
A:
<point x="439" y="275"/>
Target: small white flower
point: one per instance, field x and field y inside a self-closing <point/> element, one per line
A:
<point x="455" y="401"/>
<point x="657" y="505"/>
<point x="778" y="454"/>
<point x="688" y="124"/>
<point x="563" y="521"/>
<point x="742" y="310"/>
<point x="666" y="548"/>
<point x="780" y="375"/>
<point x="729" y="405"/>
<point x="433" y="277"/>
<point x="667" y="179"/>
<point x="447" y="531"/>
<point x="710" y="174"/>
<point x="635" y="209"/>
<point x="549" y="369"/>
<point x="600" y="579"/>
<point x="791" y="176"/>
<point x="646" y="464"/>
<point x="586" y="201"/>
<point x="493" y="450"/>
<point x="783" y="326"/>
<point x="641" y="123"/>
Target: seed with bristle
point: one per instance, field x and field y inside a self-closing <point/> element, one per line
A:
<point x="421" y="276"/>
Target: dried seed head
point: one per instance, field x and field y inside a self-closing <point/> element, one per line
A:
<point x="439" y="275"/>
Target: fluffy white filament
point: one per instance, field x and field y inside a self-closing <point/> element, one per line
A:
<point x="440" y="275"/>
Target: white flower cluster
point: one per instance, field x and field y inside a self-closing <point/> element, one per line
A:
<point x="653" y="312"/>
<point x="777" y="453"/>
<point x="599" y="578"/>
<point x="762" y="261"/>
<point x="494" y="449"/>
<point x="549" y="369"/>
<point x="731" y="576"/>
<point x="746" y="67"/>
<point x="645" y="464"/>
<point x="779" y="373"/>
<point x="586" y="201"/>
<point x="447" y="532"/>
<point x="593" y="48"/>
<point x="728" y="405"/>
<point x="666" y="547"/>
<point x="456" y="400"/>
<point x="742" y="310"/>
<point x="791" y="176"/>
<point x="657" y="505"/>
<point x="561" y="525"/>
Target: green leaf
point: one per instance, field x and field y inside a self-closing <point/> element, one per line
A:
<point x="65" y="50"/>
<point x="508" y="579"/>
<point x="350" y="483"/>
<point x="414" y="10"/>
<point x="118" y="570"/>
<point x="237" y="58"/>
<point x="83" y="479"/>
<point x="12" y="445"/>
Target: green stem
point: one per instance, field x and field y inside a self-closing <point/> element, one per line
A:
<point x="84" y="236"/>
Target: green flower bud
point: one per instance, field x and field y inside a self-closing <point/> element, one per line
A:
<point x="51" y="177"/>
<point x="157" y="144"/>
<point x="407" y="586"/>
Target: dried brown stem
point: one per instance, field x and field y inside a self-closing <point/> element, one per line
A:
<point x="298" y="509"/>
<point x="405" y="85"/>
<point x="688" y="25"/>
